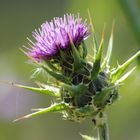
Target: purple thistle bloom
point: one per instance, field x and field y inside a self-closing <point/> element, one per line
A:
<point x="53" y="36"/>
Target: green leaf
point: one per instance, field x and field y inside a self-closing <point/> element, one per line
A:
<point x="36" y="72"/>
<point x="93" y="32"/>
<point x="57" y="75"/>
<point x="53" y="108"/>
<point x="51" y="66"/>
<point x="97" y="63"/>
<point x="121" y="68"/>
<point x="77" y="60"/>
<point x="102" y="96"/>
<point x="125" y="76"/>
<point x="84" y="49"/>
<point x="106" y="61"/>
<point x="76" y="89"/>
<point x="85" y="137"/>
<point x="48" y="90"/>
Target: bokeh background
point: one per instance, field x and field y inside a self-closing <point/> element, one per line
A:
<point x="18" y="18"/>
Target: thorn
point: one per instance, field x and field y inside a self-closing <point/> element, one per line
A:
<point x="21" y="118"/>
<point x="118" y="63"/>
<point x="113" y="27"/>
<point x="90" y="20"/>
<point x="103" y="32"/>
<point x="36" y="109"/>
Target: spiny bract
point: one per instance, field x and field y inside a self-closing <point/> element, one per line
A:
<point x="81" y="88"/>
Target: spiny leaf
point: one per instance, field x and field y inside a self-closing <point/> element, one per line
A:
<point x="102" y="96"/>
<point x="77" y="60"/>
<point x="84" y="49"/>
<point x="88" y="111"/>
<point x="121" y="68"/>
<point x="96" y="65"/>
<point x="52" y="108"/>
<point x="106" y="61"/>
<point x="56" y="75"/>
<point x="75" y="89"/>
<point x="52" y="67"/>
<point x="36" y="72"/>
<point x="85" y="137"/>
<point x="94" y="35"/>
<point x="47" y="86"/>
<point x="48" y="90"/>
<point x="125" y="76"/>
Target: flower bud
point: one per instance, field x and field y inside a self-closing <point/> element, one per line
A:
<point x="85" y="88"/>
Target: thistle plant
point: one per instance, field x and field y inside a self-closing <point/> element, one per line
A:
<point x="81" y="88"/>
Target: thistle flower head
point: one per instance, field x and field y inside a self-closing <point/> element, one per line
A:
<point x="53" y="36"/>
<point x="82" y="88"/>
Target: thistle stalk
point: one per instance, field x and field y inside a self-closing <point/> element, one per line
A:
<point x="103" y="133"/>
<point x="102" y="127"/>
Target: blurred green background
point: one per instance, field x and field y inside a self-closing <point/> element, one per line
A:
<point x="18" y="18"/>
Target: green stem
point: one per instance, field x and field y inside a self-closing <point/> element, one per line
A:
<point x="102" y="126"/>
<point x="103" y="133"/>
